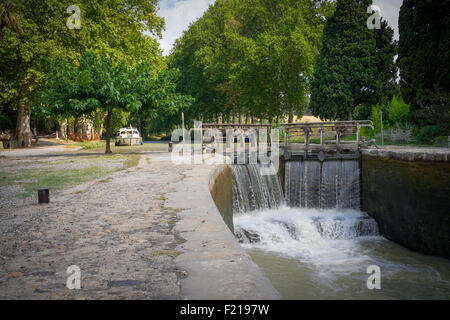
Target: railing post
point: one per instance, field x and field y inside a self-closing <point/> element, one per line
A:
<point x="357" y="133"/>
<point x="321" y="136"/>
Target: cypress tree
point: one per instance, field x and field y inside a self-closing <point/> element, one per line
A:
<point x="424" y="59"/>
<point x="355" y="66"/>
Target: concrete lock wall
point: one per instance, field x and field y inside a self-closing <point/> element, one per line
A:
<point x="409" y="199"/>
<point x="222" y="194"/>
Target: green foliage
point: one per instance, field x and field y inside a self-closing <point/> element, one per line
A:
<point x="436" y="110"/>
<point x="119" y="120"/>
<point x="428" y="134"/>
<point x="99" y="85"/>
<point x="356" y="65"/>
<point x="424" y="59"/>
<point x="398" y="111"/>
<point x="250" y="57"/>
<point x="117" y="29"/>
<point x="375" y="117"/>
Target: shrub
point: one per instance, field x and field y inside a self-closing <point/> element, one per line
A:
<point x="398" y="111"/>
<point x="166" y="138"/>
<point x="427" y="134"/>
<point x="398" y="134"/>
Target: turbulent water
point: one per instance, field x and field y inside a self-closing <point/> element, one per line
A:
<point x="314" y="242"/>
<point x="324" y="254"/>
<point x="253" y="190"/>
<point x="328" y="184"/>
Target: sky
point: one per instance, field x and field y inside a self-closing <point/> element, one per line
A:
<point x="180" y="13"/>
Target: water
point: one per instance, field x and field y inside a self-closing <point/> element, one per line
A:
<point x="315" y="243"/>
<point x="328" y="184"/>
<point x="324" y="254"/>
<point x="254" y="191"/>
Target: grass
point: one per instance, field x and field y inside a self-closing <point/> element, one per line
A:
<point x="49" y="177"/>
<point x="131" y="161"/>
<point x="173" y="253"/>
<point x="33" y="179"/>
<point x="100" y="146"/>
<point x="162" y="197"/>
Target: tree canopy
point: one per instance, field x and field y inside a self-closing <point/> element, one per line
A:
<point x="99" y="85"/>
<point x="118" y="29"/>
<point x="356" y="65"/>
<point x="250" y="57"/>
<point x="424" y="60"/>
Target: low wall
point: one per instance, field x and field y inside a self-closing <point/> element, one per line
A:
<point x="220" y="186"/>
<point x="217" y="266"/>
<point x="409" y="198"/>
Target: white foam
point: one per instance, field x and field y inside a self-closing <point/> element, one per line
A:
<point x="326" y="239"/>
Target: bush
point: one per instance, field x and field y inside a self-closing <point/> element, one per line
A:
<point x="166" y="138"/>
<point x="375" y="117"/>
<point x="398" y="111"/>
<point x="427" y="134"/>
<point x="398" y="134"/>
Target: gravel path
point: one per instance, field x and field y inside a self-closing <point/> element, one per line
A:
<point x="117" y="230"/>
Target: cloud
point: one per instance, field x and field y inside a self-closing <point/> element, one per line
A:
<point x="389" y="11"/>
<point x="178" y="15"/>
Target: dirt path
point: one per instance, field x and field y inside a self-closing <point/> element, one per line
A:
<point x="44" y="147"/>
<point x="116" y="230"/>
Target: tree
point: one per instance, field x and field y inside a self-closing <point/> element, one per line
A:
<point x="250" y="57"/>
<point x="8" y="18"/>
<point x="119" y="29"/>
<point x="97" y="84"/>
<point x="356" y="65"/>
<point x="424" y="59"/>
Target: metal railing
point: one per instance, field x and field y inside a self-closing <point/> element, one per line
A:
<point x="328" y="135"/>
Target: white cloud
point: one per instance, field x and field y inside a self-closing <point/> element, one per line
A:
<point x="389" y="11"/>
<point x="178" y="15"/>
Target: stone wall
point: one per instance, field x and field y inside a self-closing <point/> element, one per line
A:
<point x="222" y="194"/>
<point x="409" y="198"/>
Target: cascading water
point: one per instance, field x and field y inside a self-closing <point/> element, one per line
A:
<point x="314" y="242"/>
<point x="253" y="190"/>
<point x="331" y="184"/>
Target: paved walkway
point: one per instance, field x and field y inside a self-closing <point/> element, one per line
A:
<point x="118" y="231"/>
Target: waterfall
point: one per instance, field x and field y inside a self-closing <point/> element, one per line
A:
<point x="330" y="184"/>
<point x="254" y="191"/>
<point x="326" y="238"/>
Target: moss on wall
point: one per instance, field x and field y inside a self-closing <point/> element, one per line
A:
<point x="410" y="202"/>
<point x="221" y="192"/>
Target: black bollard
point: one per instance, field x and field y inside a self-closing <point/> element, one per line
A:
<point x="170" y="146"/>
<point x="43" y="196"/>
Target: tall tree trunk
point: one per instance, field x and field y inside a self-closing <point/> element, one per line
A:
<point x="350" y="117"/>
<point x="23" y="130"/>
<point x="61" y="133"/>
<point x="291" y="116"/>
<point x="108" y="132"/>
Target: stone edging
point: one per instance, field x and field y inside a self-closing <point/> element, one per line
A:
<point x="217" y="266"/>
<point x="413" y="154"/>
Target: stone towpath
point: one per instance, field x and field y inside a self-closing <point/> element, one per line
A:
<point x="117" y="231"/>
